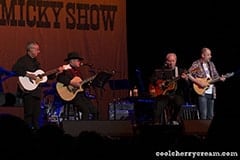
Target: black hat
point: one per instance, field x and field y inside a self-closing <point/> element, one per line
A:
<point x="73" y="55"/>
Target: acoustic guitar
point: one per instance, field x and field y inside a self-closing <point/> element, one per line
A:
<point x="200" y="91"/>
<point x="68" y="93"/>
<point x="162" y="87"/>
<point x="28" y="84"/>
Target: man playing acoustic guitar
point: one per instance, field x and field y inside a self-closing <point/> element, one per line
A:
<point x="70" y="87"/>
<point x="26" y="68"/>
<point x="168" y="85"/>
<point x="205" y="90"/>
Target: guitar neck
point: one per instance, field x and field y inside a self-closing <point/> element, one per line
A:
<point x="214" y="81"/>
<point x="50" y="72"/>
<point x="176" y="79"/>
<point x="179" y="77"/>
<point x="218" y="79"/>
<point x="88" y="79"/>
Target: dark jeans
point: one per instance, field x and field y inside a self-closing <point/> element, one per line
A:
<point x="171" y="104"/>
<point x="206" y="106"/>
<point x="85" y="106"/>
<point x="32" y="106"/>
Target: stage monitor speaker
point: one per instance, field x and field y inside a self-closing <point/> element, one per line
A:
<point x="196" y="127"/>
<point x="106" y="128"/>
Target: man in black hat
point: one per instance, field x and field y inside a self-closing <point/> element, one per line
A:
<point x="70" y="87"/>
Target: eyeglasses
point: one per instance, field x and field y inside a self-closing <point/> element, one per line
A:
<point x="35" y="48"/>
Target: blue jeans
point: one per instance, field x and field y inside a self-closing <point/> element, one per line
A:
<point x="206" y="106"/>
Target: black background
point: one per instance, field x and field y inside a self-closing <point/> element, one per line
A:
<point x="184" y="27"/>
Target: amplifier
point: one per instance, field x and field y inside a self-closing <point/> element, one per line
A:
<point x="120" y="110"/>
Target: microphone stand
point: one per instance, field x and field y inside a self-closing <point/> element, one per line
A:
<point x="7" y="74"/>
<point x="93" y="72"/>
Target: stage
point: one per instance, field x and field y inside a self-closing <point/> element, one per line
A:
<point x="125" y="128"/>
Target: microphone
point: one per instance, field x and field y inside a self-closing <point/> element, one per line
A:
<point x="86" y="64"/>
<point x="113" y="72"/>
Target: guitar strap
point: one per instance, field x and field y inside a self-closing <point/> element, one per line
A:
<point x="176" y="71"/>
<point x="74" y="71"/>
<point x="207" y="69"/>
<point x="210" y="69"/>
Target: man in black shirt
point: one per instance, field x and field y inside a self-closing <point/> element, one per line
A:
<point x="168" y="85"/>
<point x="70" y="87"/>
<point x="28" y="68"/>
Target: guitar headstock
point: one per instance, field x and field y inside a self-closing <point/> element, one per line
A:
<point x="228" y="75"/>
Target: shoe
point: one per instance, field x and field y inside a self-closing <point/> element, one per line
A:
<point x="175" y="123"/>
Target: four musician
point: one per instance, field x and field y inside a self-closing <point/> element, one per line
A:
<point x="169" y="85"/>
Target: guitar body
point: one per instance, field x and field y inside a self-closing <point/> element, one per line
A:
<point x="68" y="93"/>
<point x="30" y="85"/>
<point x="162" y="87"/>
<point x="199" y="90"/>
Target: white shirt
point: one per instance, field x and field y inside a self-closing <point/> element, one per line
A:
<point x="207" y="71"/>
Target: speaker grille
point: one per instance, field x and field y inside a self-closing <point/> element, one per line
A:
<point x="107" y="128"/>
